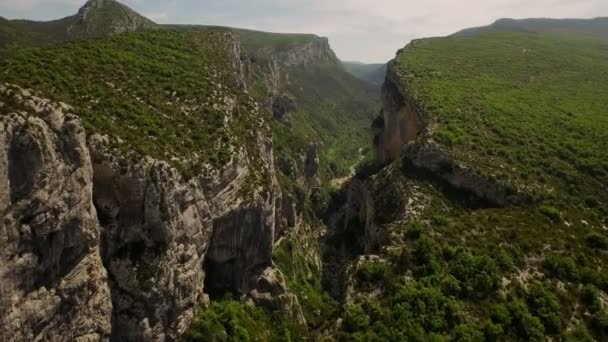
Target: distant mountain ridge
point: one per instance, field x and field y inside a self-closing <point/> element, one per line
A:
<point x="597" y="27"/>
<point x="372" y="73"/>
<point x="96" y="18"/>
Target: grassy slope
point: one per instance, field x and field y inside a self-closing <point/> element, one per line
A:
<point x="125" y="86"/>
<point x="531" y="110"/>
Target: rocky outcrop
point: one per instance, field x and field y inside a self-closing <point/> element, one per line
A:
<point x="155" y="229"/>
<point x="403" y="132"/>
<point x="53" y="285"/>
<point x="460" y="183"/>
<point x="282" y="105"/>
<point x="168" y="243"/>
<point x="311" y="165"/>
<point x="271" y="67"/>
<point x="112" y="245"/>
<point x="316" y="51"/>
<point x="105" y="17"/>
<point x="402" y="119"/>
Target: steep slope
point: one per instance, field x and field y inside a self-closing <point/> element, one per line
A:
<point x="181" y="210"/>
<point x="488" y="220"/>
<point x="167" y="145"/>
<point x="96" y="18"/>
<point x="372" y="73"/>
<point x="312" y="98"/>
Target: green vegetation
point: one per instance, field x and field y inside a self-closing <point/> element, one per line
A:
<point x="273" y="42"/>
<point x="373" y="73"/>
<point x="102" y="18"/>
<point x="230" y="320"/>
<point x="332" y="108"/>
<point x="125" y="86"/>
<point x="298" y="257"/>
<point x="528" y="109"/>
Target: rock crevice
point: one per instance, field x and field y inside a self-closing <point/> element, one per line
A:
<point x="115" y="246"/>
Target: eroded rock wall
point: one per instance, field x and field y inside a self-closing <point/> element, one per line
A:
<point x="402" y="120"/>
<point x="99" y="244"/>
<point x="53" y="285"/>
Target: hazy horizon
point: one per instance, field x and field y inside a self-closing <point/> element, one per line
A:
<point x="358" y="30"/>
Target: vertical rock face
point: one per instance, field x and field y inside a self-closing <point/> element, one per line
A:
<point x="53" y="285"/>
<point x="314" y="52"/>
<point x="240" y="249"/>
<point x="96" y="244"/>
<point x="168" y="243"/>
<point x="402" y="120"/>
<point x="155" y="229"/>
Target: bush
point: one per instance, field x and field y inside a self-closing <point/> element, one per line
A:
<point x="439" y="220"/>
<point x="478" y="274"/>
<point x="371" y="272"/>
<point x="355" y="319"/>
<point x="424" y="306"/>
<point x="425" y="257"/>
<point x="468" y="333"/>
<point x="597" y="241"/>
<point x="544" y="305"/>
<point x="560" y="267"/>
<point x="526" y="326"/>
<point x="415" y="230"/>
<point x="230" y="320"/>
<point x="579" y="334"/>
<point x="551" y="212"/>
<point x="591" y="276"/>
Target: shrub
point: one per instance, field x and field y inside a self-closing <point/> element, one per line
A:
<point x="579" y="334"/>
<point x="597" y="241"/>
<point x="355" y="319"/>
<point x="468" y="333"/>
<point x="415" y="230"/>
<point x="440" y="220"/>
<point x="545" y="306"/>
<point x="526" y="326"/>
<point x="477" y="274"/>
<point x="591" y="276"/>
<point x="551" y="212"/>
<point x="371" y="272"/>
<point x="560" y="267"/>
<point x="425" y="256"/>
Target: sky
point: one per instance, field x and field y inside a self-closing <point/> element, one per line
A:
<point x="369" y="31"/>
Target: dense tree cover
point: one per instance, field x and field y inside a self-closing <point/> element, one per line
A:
<point x="529" y="109"/>
<point x="169" y="94"/>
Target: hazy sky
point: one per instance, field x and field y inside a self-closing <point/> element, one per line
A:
<point x="364" y="30"/>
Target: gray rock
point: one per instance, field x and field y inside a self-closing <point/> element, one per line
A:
<point x="53" y="285"/>
<point x="96" y="244"/>
<point x="402" y="120"/>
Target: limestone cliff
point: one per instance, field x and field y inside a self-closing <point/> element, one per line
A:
<point x="402" y="120"/>
<point x="53" y="285"/>
<point x="112" y="246"/>
<point x="405" y="132"/>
